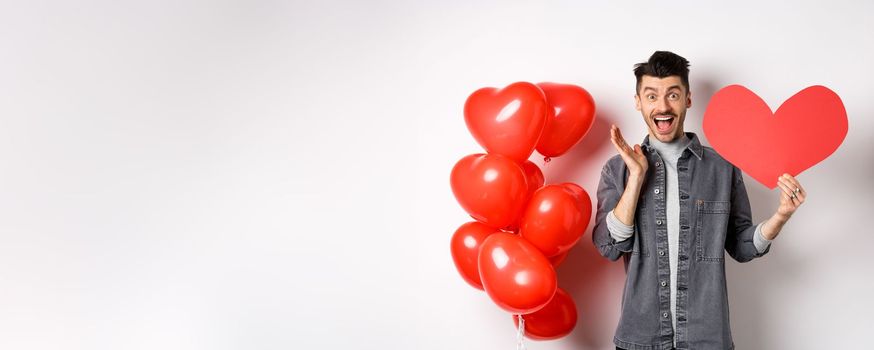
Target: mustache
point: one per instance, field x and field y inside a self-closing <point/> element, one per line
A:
<point x="664" y="113"/>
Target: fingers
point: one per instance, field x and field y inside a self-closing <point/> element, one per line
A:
<point x="787" y="193"/>
<point x="618" y="141"/>
<point x="632" y="156"/>
<point x="794" y="187"/>
<point x="791" y="191"/>
<point x="794" y="184"/>
<point x="619" y="133"/>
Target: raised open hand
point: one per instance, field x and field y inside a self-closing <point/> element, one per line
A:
<point x="633" y="157"/>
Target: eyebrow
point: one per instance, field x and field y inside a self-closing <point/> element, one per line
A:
<point x="669" y="89"/>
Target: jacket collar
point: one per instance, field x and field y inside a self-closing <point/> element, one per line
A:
<point x="694" y="145"/>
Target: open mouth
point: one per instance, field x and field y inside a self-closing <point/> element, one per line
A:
<point x="663" y="123"/>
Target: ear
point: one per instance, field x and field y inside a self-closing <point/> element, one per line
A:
<point x="689" y="99"/>
<point x="637" y="101"/>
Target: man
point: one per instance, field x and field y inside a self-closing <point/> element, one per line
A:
<point x="671" y="208"/>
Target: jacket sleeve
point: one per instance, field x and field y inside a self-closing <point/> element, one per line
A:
<point x="739" y="240"/>
<point x="610" y="189"/>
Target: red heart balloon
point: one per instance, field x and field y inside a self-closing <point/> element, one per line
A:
<point x="556" y="217"/>
<point x="806" y="129"/>
<point x="465" y="245"/>
<point x="558" y="259"/>
<point x="535" y="181"/>
<point x="507" y="121"/>
<point x="572" y="117"/>
<point x="555" y="320"/>
<point x="578" y="191"/>
<point x="534" y="176"/>
<point x="490" y="187"/>
<point x="515" y="275"/>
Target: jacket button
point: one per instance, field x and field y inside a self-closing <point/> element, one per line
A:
<point x="658" y="163"/>
<point x="662" y="252"/>
<point x="664" y="283"/>
<point x="656" y="191"/>
<point x="658" y="222"/>
<point x="665" y="314"/>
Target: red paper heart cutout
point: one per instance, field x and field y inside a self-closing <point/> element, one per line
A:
<point x="805" y="130"/>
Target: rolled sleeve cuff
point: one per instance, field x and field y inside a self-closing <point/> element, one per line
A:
<point x="758" y="239"/>
<point x="618" y="230"/>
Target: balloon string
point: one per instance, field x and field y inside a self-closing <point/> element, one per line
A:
<point x="520" y="333"/>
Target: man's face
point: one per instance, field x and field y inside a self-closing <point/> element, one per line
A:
<point x="663" y="103"/>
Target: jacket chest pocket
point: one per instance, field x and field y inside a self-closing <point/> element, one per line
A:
<point x="711" y="226"/>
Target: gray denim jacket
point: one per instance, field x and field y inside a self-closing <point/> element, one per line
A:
<point x="714" y="218"/>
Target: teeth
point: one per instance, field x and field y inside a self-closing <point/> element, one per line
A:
<point x="664" y="118"/>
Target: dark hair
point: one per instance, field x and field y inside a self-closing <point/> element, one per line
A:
<point x="663" y="64"/>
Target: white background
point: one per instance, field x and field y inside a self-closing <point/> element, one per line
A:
<point x="275" y="175"/>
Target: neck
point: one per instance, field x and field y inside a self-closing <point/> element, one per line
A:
<point x="671" y="149"/>
<point x="679" y="138"/>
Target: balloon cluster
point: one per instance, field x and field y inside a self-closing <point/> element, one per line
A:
<point x="523" y="229"/>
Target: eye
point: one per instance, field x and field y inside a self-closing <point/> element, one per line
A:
<point x="674" y="96"/>
<point x="651" y="97"/>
